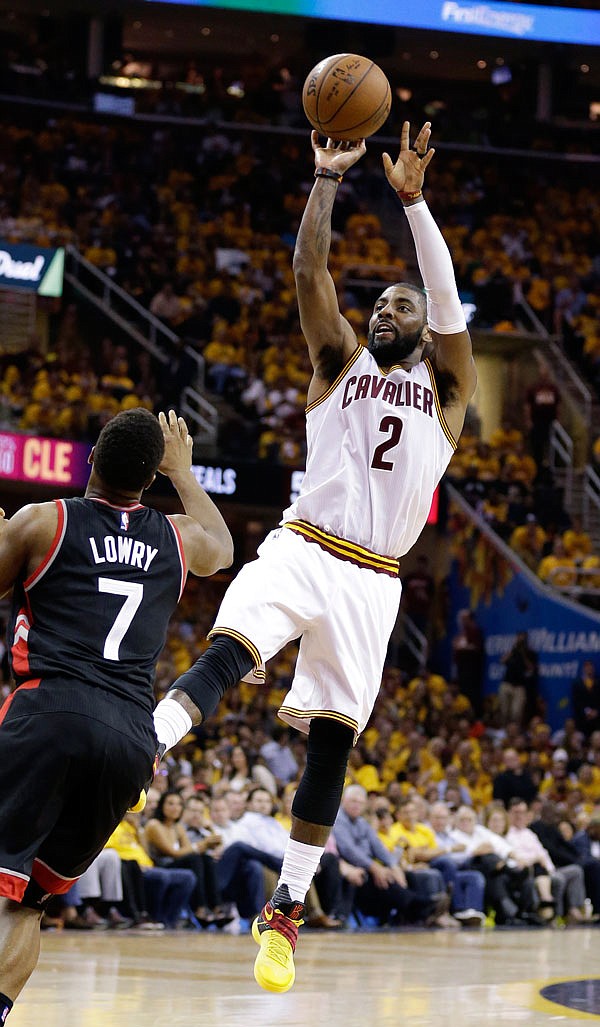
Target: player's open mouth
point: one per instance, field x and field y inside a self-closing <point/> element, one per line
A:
<point x="384" y="328"/>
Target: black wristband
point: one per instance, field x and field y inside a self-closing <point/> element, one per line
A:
<point x="328" y="173"/>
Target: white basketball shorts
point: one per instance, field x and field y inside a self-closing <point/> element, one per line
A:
<point x="343" y="607"/>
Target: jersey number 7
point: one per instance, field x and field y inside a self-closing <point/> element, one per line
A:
<point x="134" y="593"/>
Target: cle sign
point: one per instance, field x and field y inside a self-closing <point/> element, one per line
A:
<point x="47" y="460"/>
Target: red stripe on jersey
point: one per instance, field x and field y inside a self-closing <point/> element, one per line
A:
<point x="34" y="683"/>
<point x="179" y="542"/>
<point x="12" y="885"/>
<point x="58" y="537"/>
<point x="50" y="880"/>
<point x="20" y="643"/>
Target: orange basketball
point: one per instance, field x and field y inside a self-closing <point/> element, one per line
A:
<point x="346" y="97"/>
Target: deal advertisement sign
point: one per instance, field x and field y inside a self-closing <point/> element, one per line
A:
<point x="487" y="578"/>
<point x="37" y="269"/>
<point x="43" y="461"/>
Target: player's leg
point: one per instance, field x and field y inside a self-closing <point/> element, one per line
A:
<point x="32" y="777"/>
<point x="314" y="810"/>
<point x="19" y="950"/>
<point x="335" y="686"/>
<point x="257" y="617"/>
<point x="196" y="694"/>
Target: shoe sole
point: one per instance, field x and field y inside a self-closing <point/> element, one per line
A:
<point x="262" y="981"/>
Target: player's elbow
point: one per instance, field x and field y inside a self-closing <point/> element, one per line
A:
<point x="213" y="553"/>
<point x="221" y="555"/>
<point x="304" y="268"/>
<point x="226" y="558"/>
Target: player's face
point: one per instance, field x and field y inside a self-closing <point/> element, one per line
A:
<point x="396" y="325"/>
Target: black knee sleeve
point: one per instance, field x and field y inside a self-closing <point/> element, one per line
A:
<point x="222" y="665"/>
<point x="320" y="790"/>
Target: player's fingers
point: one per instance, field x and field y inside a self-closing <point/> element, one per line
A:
<point x="172" y="419"/>
<point x="427" y="159"/>
<point x="183" y="428"/>
<point x="405" y="136"/>
<point x="388" y="163"/>
<point x="162" y="420"/>
<point x="314" y="139"/>
<point x="189" y="442"/>
<point x="425" y="132"/>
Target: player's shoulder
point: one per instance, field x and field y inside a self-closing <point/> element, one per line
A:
<point x="36" y="513"/>
<point x="33" y="527"/>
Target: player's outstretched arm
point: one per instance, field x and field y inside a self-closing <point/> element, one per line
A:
<point x="323" y="326"/>
<point x="445" y="316"/>
<point x="206" y="538"/>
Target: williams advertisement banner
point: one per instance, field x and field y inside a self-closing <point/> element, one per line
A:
<point x="506" y="598"/>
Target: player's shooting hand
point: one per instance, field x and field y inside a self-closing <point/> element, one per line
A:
<point x="407" y="174"/>
<point x="178" y="445"/>
<point x="337" y="156"/>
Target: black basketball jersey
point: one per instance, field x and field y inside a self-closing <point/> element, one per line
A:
<point x="97" y="607"/>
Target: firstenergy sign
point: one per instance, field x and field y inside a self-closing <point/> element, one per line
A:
<point x="34" y="268"/>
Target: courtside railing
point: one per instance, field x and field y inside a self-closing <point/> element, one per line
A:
<point x="148" y="331"/>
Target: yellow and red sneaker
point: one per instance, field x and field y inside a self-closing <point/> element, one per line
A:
<point x="276" y="931"/>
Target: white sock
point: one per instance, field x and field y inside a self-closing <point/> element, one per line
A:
<point x="171" y="722"/>
<point x="299" y="866"/>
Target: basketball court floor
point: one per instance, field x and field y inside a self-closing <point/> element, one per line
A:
<point x="455" y="978"/>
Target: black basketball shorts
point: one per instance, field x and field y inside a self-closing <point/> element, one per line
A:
<point x="73" y="759"/>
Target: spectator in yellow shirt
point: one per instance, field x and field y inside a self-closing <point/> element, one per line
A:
<point x="528" y="540"/>
<point x="558" y="569"/>
<point x="429" y="869"/>
<point x="361" y="772"/>
<point x="155" y="896"/>
<point x="504" y="439"/>
<point x="519" y="465"/>
<point x="577" y="542"/>
<point x="588" y="780"/>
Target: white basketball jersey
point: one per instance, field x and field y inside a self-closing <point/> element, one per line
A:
<point x="377" y="446"/>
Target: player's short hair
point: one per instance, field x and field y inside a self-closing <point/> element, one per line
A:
<point x="129" y="450"/>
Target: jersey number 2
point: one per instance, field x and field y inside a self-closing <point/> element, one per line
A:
<point x="392" y="426"/>
<point x="134" y="593"/>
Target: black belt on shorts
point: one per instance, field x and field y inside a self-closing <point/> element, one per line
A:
<point x="342" y="549"/>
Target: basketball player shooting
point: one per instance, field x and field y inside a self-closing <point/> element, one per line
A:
<point x="382" y="424"/>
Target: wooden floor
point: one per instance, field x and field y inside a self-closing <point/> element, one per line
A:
<point x="185" y="979"/>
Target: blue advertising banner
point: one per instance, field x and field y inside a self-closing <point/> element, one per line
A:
<point x="34" y="268"/>
<point x="494" y="18"/>
<point x="507" y="598"/>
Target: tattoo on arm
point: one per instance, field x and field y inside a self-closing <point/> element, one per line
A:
<point x="323" y="224"/>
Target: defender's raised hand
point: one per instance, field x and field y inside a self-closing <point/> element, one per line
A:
<point x="407" y="174"/>
<point x="178" y="445"/>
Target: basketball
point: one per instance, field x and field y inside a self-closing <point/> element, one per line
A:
<point x="346" y="96"/>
